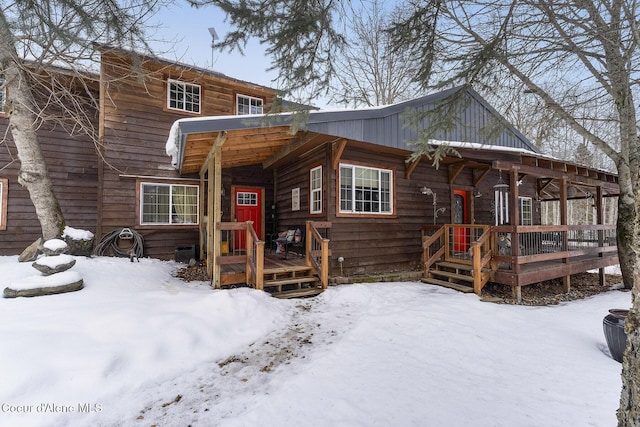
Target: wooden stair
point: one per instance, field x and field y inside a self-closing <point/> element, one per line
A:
<point x="451" y="275"/>
<point x="292" y="282"/>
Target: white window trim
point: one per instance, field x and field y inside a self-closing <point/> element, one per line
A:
<point x="183" y="85"/>
<point x="250" y="98"/>
<point x="521" y="200"/>
<point x="315" y="194"/>
<point x="353" y="210"/>
<point x="170" y="223"/>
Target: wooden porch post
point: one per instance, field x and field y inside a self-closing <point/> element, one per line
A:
<point x="216" y="213"/>
<point x="202" y="229"/>
<point x="514" y="219"/>
<point x="600" y="221"/>
<point x="566" y="280"/>
<point x="210" y="219"/>
<point x="213" y="167"/>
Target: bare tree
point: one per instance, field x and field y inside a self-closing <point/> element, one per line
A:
<point x="368" y="71"/>
<point x="35" y="39"/>
<point x="554" y="49"/>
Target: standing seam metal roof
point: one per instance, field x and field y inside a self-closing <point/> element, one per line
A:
<point x="384" y="126"/>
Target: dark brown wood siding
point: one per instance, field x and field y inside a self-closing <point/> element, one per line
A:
<point x="375" y="244"/>
<point x="136" y="127"/>
<point x="72" y="163"/>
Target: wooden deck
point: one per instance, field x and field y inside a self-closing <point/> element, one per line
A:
<point x="469" y="256"/>
<point x="244" y="260"/>
<point x="536" y="272"/>
<point x="233" y="274"/>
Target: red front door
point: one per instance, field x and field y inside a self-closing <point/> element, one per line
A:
<point x="248" y="207"/>
<point x="460" y="216"/>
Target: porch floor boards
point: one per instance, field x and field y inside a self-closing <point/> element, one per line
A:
<point x="271" y="261"/>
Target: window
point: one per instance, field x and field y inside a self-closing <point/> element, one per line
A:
<point x="168" y="204"/>
<point x="248" y="105"/>
<point x="315" y="185"/>
<point x="246" y="199"/>
<point x="526" y="211"/>
<point x="3" y="95"/>
<point x="4" y="186"/>
<point x="183" y="96"/>
<point x="366" y="190"/>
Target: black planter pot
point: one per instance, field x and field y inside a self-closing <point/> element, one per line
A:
<point x="613" y="325"/>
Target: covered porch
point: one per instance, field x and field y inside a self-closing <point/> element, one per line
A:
<point x="541" y="253"/>
<point x="238" y="251"/>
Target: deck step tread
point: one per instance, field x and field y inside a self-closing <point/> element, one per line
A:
<point x="290" y="281"/>
<point x="451" y="285"/>
<point x="449" y="274"/>
<point x="289" y="269"/>
<point x="447" y="264"/>
<point x="298" y="293"/>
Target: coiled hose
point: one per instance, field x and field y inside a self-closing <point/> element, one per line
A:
<point x="110" y="244"/>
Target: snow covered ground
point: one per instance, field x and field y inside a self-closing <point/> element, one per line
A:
<point x="137" y="346"/>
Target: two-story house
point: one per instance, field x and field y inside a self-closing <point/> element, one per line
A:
<point x="126" y="180"/>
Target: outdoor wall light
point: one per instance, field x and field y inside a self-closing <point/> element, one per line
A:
<point x="426" y="191"/>
<point x="341" y="260"/>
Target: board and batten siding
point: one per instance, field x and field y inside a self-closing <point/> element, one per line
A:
<point x="136" y="123"/>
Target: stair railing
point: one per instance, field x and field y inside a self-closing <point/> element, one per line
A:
<point x="481" y="255"/>
<point x="255" y="258"/>
<point x="317" y="250"/>
<point x="433" y="247"/>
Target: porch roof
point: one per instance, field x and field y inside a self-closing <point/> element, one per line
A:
<point x="273" y="138"/>
<point x="252" y="139"/>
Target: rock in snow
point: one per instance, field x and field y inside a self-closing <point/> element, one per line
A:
<point x="67" y="281"/>
<point x="54" y="264"/>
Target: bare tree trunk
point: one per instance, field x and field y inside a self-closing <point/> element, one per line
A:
<point x="628" y="244"/>
<point x="33" y="173"/>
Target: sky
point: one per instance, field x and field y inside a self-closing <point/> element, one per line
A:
<point x="139" y="347"/>
<point x="185" y="32"/>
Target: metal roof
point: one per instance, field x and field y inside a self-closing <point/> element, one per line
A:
<point x="385" y="126"/>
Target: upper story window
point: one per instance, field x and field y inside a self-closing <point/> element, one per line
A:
<point x="248" y="105"/>
<point x="365" y="190"/>
<point x="526" y="211"/>
<point x="3" y="95"/>
<point x="315" y="186"/>
<point x="183" y="96"/>
<point x="168" y="204"/>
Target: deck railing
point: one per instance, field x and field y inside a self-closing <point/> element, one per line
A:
<point x="239" y="244"/>
<point x="489" y="249"/>
<point x="255" y="258"/>
<point x="481" y="256"/>
<point x="317" y="249"/>
<point x="462" y="244"/>
<point x="515" y="246"/>
<point x="459" y="238"/>
<point x="433" y="246"/>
